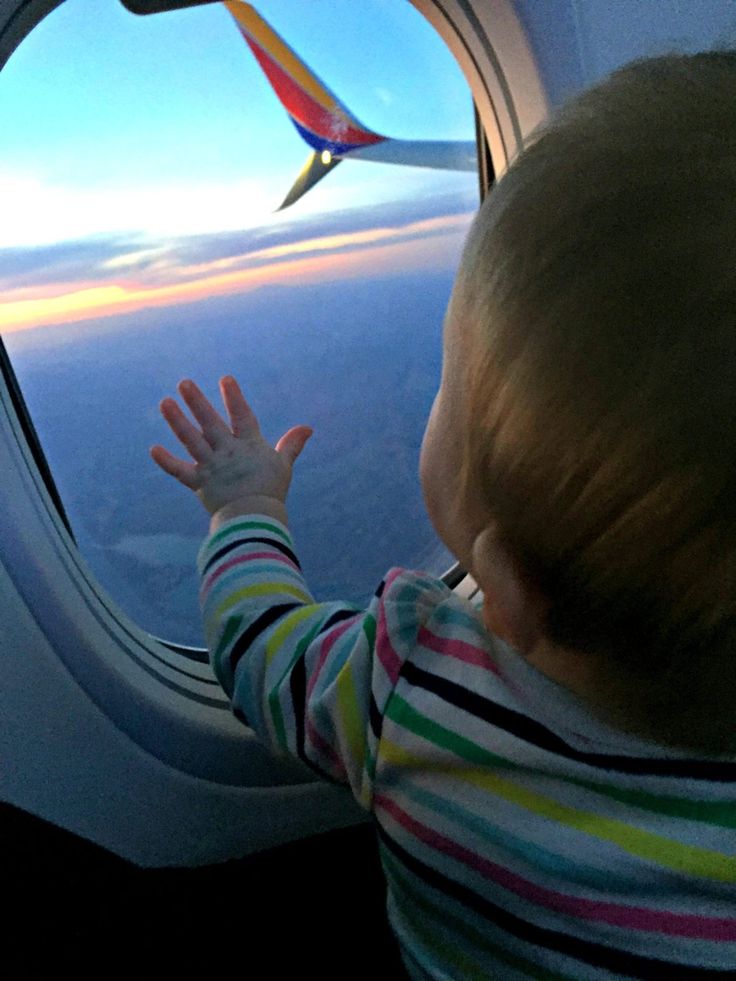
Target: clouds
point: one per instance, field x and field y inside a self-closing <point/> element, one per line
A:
<point x="22" y="267"/>
<point x="99" y="276"/>
<point x="41" y="208"/>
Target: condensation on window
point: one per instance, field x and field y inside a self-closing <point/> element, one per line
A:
<point x="144" y="163"/>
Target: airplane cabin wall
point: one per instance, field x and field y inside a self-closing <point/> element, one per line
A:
<point x="576" y="42"/>
<point x="101" y="743"/>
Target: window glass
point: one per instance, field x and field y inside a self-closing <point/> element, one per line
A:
<point x="144" y="160"/>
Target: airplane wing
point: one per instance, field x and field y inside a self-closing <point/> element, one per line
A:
<point x="320" y="118"/>
<point x="324" y="123"/>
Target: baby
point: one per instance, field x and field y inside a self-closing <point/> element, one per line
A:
<point x="553" y="777"/>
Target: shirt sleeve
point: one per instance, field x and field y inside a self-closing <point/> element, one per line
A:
<point x="312" y="679"/>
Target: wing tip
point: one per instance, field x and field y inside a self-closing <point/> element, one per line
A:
<point x="311" y="173"/>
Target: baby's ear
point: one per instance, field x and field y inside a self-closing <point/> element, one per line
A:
<point x="513" y="609"/>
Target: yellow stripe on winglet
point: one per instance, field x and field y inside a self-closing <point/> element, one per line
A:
<point x="252" y="22"/>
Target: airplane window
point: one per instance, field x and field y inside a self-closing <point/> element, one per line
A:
<point x="145" y="160"/>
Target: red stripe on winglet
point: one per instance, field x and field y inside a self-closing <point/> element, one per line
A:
<point x="304" y="108"/>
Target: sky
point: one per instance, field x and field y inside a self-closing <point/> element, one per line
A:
<point x="143" y="157"/>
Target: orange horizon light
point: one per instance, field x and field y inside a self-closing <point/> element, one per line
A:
<point x="366" y="251"/>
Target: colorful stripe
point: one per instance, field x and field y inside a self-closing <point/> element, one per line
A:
<point x="472" y="701"/>
<point x="628" y="917"/>
<point x="479" y="771"/>
<point x="461" y="650"/>
<point x="508" y="850"/>
<point x="261" y="589"/>
<point x="261" y="33"/>
<point x="410" y="898"/>
<point x="243" y="526"/>
<point x="225" y="566"/>
<point x="332" y="137"/>
<point x="274" y="695"/>
<point x="321" y="119"/>
<point x="548" y="942"/>
<point x="326" y="646"/>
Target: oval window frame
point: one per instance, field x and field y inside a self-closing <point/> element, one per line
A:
<point x="180" y="714"/>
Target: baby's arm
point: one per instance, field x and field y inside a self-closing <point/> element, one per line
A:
<point x="235" y="470"/>
<point x="312" y="679"/>
<point x="258" y="611"/>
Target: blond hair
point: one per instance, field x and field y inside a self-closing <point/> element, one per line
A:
<point x="600" y="283"/>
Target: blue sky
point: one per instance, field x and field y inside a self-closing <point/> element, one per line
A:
<point x="144" y="157"/>
<point x="165" y="124"/>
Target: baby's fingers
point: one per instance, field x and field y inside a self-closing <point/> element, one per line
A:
<point x="292" y="442"/>
<point x="214" y="429"/>
<point x="185" y="473"/>
<point x="187" y="434"/>
<point x="242" y="417"/>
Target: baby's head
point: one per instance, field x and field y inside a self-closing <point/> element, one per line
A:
<point x="581" y="455"/>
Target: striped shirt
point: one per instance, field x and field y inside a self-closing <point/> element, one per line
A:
<point x="520" y="837"/>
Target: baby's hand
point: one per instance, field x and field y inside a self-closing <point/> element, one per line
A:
<point x="235" y="470"/>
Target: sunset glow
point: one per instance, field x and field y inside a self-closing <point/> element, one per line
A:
<point x="420" y="245"/>
<point x="122" y="194"/>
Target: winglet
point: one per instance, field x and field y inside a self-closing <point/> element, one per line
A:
<point x="318" y="165"/>
<point x="318" y="115"/>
